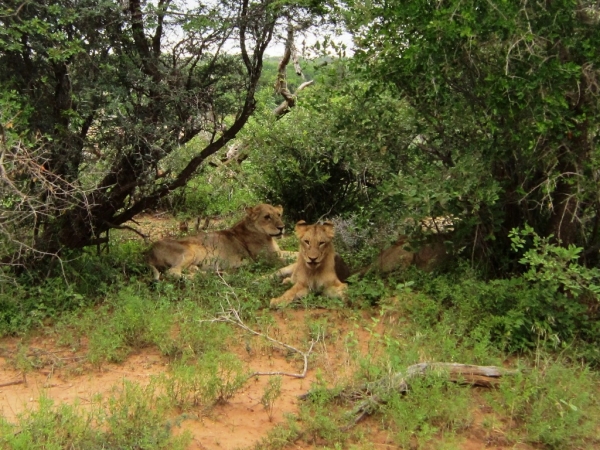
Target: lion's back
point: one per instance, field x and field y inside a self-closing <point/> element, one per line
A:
<point x="225" y="247"/>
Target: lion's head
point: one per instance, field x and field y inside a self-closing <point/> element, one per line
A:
<point x="266" y="219"/>
<point x="315" y="242"/>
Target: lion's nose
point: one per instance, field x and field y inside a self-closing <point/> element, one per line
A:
<point x="312" y="260"/>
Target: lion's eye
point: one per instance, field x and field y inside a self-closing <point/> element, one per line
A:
<point x="321" y="244"/>
<point x="267" y="217"/>
<point x="306" y="241"/>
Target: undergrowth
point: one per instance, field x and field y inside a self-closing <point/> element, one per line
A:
<point x="105" y="309"/>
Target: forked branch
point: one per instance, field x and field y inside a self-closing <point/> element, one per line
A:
<point x="289" y="99"/>
<point x="232" y="315"/>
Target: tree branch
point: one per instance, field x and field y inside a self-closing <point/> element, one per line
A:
<point x="289" y="99"/>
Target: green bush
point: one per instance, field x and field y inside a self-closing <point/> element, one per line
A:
<point x="515" y="313"/>
<point x="332" y="151"/>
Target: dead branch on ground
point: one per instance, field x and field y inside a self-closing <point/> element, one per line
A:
<point x="23" y="380"/>
<point x="370" y="395"/>
<point x="232" y="315"/>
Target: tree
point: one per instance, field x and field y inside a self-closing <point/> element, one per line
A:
<point x="328" y="155"/>
<point x="96" y="94"/>
<point x="507" y="100"/>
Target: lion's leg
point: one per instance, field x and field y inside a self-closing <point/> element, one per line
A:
<point x="285" y="272"/>
<point x="297" y="291"/>
<point x="193" y="269"/>
<point x="336" y="290"/>
<point x="175" y="271"/>
<point x="156" y="272"/>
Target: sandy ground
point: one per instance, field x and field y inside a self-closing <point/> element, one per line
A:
<point x="241" y="422"/>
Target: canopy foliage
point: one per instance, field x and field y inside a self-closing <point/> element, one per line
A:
<point x="94" y="95"/>
<point x="506" y="96"/>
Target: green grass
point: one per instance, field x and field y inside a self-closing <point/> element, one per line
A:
<point x="132" y="417"/>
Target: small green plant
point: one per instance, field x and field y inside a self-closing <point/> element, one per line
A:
<point x="366" y="291"/>
<point x="50" y="427"/>
<point x="185" y="386"/>
<point x="136" y="418"/>
<point x="282" y="435"/>
<point x="433" y="405"/>
<point x="213" y="378"/>
<point x="271" y="393"/>
<point x="133" y="417"/>
<point x="553" y="265"/>
<point x="195" y="337"/>
<point x="127" y="321"/>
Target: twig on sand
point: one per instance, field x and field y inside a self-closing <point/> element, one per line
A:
<point x="232" y="315"/>
<point x="12" y="383"/>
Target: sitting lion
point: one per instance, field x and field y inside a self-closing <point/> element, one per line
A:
<point x="315" y="269"/>
<point x="249" y="239"/>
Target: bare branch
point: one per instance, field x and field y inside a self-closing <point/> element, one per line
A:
<point x="232" y="315"/>
<point x="281" y="82"/>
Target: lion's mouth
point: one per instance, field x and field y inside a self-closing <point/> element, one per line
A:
<point x="278" y="235"/>
<point x="312" y="264"/>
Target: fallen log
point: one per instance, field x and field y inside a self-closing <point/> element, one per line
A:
<point x="369" y="394"/>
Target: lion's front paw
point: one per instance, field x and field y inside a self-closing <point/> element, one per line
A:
<point x="278" y="302"/>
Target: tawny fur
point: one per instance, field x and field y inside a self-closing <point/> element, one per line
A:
<point x="314" y="271"/>
<point x="248" y="240"/>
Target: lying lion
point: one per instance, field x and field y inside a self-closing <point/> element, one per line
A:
<point x="315" y="269"/>
<point x="249" y="239"/>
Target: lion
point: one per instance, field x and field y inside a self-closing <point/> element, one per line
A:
<point x="397" y="257"/>
<point x="248" y="240"/>
<point x="315" y="268"/>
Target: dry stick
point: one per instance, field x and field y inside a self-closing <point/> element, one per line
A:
<point x="226" y="316"/>
<point x="12" y="383"/>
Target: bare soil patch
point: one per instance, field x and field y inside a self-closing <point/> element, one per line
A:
<point x="61" y="375"/>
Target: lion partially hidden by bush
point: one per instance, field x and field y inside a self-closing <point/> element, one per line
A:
<point x="248" y="240"/>
<point x="315" y="269"/>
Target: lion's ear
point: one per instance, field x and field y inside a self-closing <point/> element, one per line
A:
<point x="300" y="227"/>
<point x="252" y="212"/>
<point x="279" y="209"/>
<point x="329" y="229"/>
